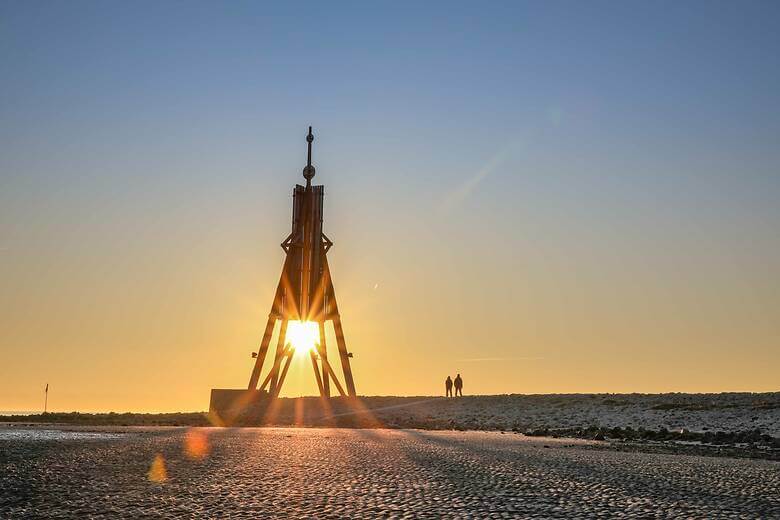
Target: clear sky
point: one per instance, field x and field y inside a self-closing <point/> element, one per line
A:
<point x="544" y="197"/>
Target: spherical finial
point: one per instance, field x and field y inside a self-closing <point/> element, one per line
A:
<point x="308" y="172"/>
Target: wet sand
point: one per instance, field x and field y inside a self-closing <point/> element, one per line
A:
<point x="337" y="473"/>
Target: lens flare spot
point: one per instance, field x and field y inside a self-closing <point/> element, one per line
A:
<point x="157" y="471"/>
<point x="303" y="335"/>
<point x="196" y="444"/>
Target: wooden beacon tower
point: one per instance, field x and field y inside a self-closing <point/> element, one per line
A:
<point x="305" y="294"/>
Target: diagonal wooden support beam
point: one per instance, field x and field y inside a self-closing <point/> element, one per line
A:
<point x="317" y="376"/>
<point x="323" y="350"/>
<point x="329" y="369"/>
<point x="344" y="356"/>
<point x="279" y="355"/>
<point x="261" y="353"/>
<point x="266" y="380"/>
<point x="274" y="372"/>
<point x="288" y="355"/>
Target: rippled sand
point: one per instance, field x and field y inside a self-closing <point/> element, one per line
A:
<point x="288" y="472"/>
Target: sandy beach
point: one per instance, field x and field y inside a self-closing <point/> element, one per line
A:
<point x="727" y="412"/>
<point x="724" y="412"/>
<point x="338" y="473"/>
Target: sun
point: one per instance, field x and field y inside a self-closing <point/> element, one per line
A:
<point x="303" y="335"/>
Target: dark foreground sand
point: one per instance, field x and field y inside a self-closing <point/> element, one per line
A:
<point x="337" y="473"/>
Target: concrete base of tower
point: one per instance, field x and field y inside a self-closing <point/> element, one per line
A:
<point x="228" y="406"/>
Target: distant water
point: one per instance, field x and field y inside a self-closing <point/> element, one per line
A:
<point x="54" y="435"/>
<point x="19" y="412"/>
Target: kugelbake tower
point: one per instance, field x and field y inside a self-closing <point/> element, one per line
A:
<point x="305" y="295"/>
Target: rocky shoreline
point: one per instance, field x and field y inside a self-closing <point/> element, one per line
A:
<point x="746" y="444"/>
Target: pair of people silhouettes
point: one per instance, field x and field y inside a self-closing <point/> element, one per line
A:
<point x="458" y="384"/>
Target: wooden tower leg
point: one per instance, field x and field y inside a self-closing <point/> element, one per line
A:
<point x="288" y="355"/>
<point x="326" y="367"/>
<point x="317" y="375"/>
<point x="269" y="330"/>
<point x="325" y="391"/>
<point x="274" y="374"/>
<point x="344" y="356"/>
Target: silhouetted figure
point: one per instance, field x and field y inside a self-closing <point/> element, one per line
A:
<point x="458" y="386"/>
<point x="448" y="386"/>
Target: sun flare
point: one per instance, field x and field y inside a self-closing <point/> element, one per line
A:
<point x="303" y="335"/>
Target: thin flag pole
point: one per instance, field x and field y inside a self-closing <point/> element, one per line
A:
<point x="46" y="398"/>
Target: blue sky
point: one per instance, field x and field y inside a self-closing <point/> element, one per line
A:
<point x="593" y="155"/>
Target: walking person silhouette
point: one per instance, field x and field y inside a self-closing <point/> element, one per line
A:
<point x="448" y="386"/>
<point x="458" y="386"/>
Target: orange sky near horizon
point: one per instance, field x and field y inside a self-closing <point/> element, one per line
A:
<point x="153" y="322"/>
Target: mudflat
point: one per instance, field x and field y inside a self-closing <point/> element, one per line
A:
<point x="337" y="473"/>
